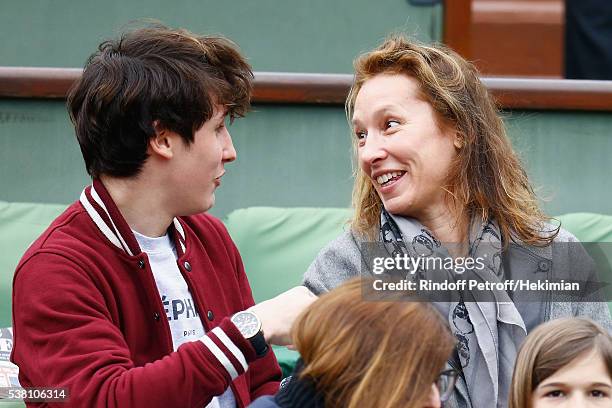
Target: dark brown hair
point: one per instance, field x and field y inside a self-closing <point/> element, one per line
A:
<point x="486" y="179"/>
<point x="361" y="353"/>
<point x="550" y="347"/>
<point x="153" y="74"/>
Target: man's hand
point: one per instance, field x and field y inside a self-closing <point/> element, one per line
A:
<point x="278" y="314"/>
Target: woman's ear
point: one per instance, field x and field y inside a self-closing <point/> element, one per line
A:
<point x="458" y="140"/>
<point x="162" y="142"/>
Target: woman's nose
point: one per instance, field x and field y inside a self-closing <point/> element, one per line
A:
<point x="372" y="151"/>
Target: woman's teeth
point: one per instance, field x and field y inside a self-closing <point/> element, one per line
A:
<point x="385" y="178"/>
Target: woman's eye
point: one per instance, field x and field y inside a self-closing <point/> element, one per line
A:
<point x="360" y="135"/>
<point x="391" y="123"/>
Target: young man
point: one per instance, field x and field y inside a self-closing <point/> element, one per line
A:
<point x="133" y="296"/>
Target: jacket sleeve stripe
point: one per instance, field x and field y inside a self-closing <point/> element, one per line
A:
<point x="216" y="351"/>
<point x="231" y="346"/>
<point x="237" y="366"/>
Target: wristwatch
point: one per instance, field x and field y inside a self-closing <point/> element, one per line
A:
<point x="249" y="326"/>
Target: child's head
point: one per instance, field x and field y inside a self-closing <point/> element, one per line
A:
<point x="373" y="353"/>
<point x="564" y="363"/>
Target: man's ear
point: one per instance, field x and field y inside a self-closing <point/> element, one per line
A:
<point x="162" y="142"/>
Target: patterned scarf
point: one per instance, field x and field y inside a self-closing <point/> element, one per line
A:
<point x="488" y="333"/>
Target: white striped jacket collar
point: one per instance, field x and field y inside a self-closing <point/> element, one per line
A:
<point x="106" y="216"/>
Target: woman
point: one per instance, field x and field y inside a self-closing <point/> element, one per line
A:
<point x="357" y="353"/>
<point x="438" y="178"/>
<point x="564" y="363"/>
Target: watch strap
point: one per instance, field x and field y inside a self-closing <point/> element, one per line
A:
<point x="259" y="344"/>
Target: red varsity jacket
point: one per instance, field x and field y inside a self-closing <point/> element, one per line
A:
<point x="87" y="314"/>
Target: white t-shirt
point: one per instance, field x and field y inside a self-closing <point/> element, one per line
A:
<point x="181" y="311"/>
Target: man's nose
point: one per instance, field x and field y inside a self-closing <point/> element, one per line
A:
<point x="229" y="152"/>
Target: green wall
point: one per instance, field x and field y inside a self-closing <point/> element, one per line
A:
<point x="276" y="35"/>
<point x="300" y="156"/>
<point x="568" y="156"/>
<point x="287" y="155"/>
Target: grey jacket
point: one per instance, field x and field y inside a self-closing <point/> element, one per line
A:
<point x="341" y="260"/>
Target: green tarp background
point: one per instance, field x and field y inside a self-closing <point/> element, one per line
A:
<point x="300" y="156"/>
<point x="276" y="35"/>
<point x="287" y="155"/>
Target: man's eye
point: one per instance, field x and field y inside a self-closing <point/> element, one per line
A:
<point x="391" y="123"/>
<point x="555" y="394"/>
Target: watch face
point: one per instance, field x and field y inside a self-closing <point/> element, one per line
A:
<point x="247" y="323"/>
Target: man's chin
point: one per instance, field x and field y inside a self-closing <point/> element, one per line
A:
<point x="210" y="203"/>
<point x="200" y="208"/>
